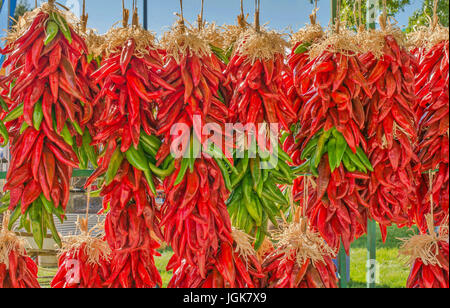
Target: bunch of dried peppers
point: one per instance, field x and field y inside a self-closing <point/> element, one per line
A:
<point x="47" y="105"/>
<point x="17" y="270"/>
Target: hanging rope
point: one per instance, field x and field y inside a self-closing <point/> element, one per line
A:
<point x="313" y="16"/>
<point x="257" y="18"/>
<point x="338" y="17"/>
<point x="181" y="22"/>
<point x="135" y="18"/>
<point x="200" y="17"/>
<point x="125" y="15"/>
<point x="84" y="18"/>
<point x="435" y="15"/>
<point x="384" y="16"/>
<point x="242" y="22"/>
<point x="84" y="222"/>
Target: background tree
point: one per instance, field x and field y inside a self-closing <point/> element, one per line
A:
<point x="423" y="16"/>
<point x="420" y="17"/>
<point x="350" y="7"/>
<point x="21" y="8"/>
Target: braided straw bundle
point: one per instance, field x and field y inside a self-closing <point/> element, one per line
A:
<point x="297" y="241"/>
<point x="94" y="247"/>
<point x="25" y="21"/>
<point x="262" y="45"/>
<point x="9" y="241"/>
<point x="184" y="40"/>
<point x="425" y="246"/>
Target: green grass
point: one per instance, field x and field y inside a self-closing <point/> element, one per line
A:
<point x="393" y="272"/>
<point x="46" y="276"/>
<point x="161" y="264"/>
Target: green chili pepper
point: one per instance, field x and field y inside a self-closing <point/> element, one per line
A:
<point x="310" y="147"/>
<point x="332" y="154"/>
<point x="137" y="158"/>
<point x="364" y="159"/>
<point x="320" y="150"/>
<point x="24" y="127"/>
<point x="66" y="135"/>
<point x="89" y="149"/>
<point x="3" y="105"/>
<point x="255" y="170"/>
<point x="48" y="205"/>
<point x="302" y="48"/>
<point x="348" y="164"/>
<point x="249" y="199"/>
<point x="116" y="161"/>
<point x="36" y="223"/>
<point x="271" y="210"/>
<point x="225" y="173"/>
<point x="151" y="152"/>
<point x="149" y="177"/>
<point x="38" y="116"/>
<point x="286" y="170"/>
<point x="59" y="212"/>
<point x="341" y="147"/>
<point x="81" y="154"/>
<point x="272" y="189"/>
<point x="50" y="223"/>
<point x="77" y="127"/>
<point x="51" y="31"/>
<point x="214" y="152"/>
<point x="234" y="200"/>
<point x="63" y="26"/>
<point x="183" y="168"/>
<point x="152" y="141"/>
<point x="15" y="114"/>
<point x="162" y="173"/>
<point x="14" y="217"/>
<point x="355" y="160"/>
<point x="4" y="134"/>
<point x="242" y="168"/>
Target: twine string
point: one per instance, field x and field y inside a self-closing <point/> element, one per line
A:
<point x="435" y="15"/>
<point x="257" y="15"/>
<point x="200" y="17"/>
<point x="338" y="17"/>
<point x="125" y="15"/>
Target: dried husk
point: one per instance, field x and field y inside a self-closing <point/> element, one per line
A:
<point x="311" y="33"/>
<point x="427" y="37"/>
<point x="213" y="35"/>
<point x="345" y="41"/>
<point x="424" y="246"/>
<point x="94" y="42"/>
<point x="116" y="38"/>
<point x="297" y="241"/>
<point x="260" y="45"/>
<point x="266" y="248"/>
<point x="183" y="40"/>
<point x="25" y="21"/>
<point x="374" y="40"/>
<point x="9" y="241"/>
<point x="94" y="247"/>
<point x="233" y="32"/>
<point x="243" y="243"/>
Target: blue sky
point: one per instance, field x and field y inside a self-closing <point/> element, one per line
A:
<point x="279" y="13"/>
